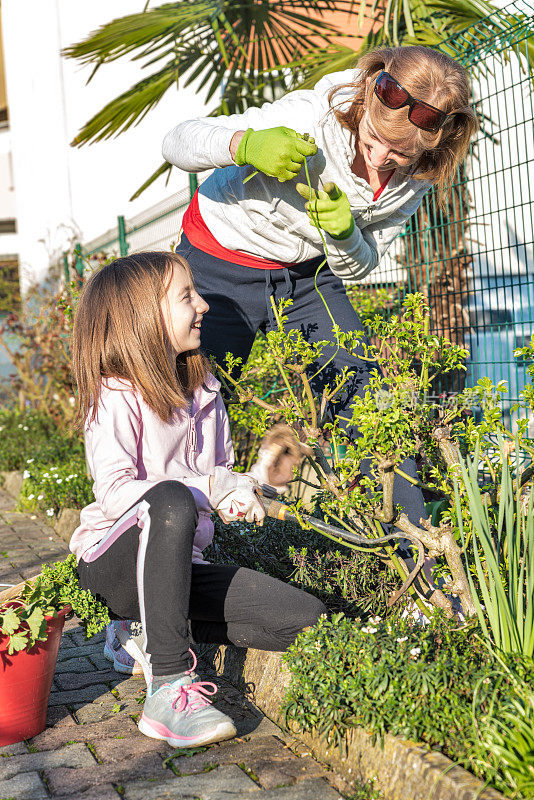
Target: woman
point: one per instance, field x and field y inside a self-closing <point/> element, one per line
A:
<point x="383" y="133"/>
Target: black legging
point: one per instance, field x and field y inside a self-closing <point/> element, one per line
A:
<point x="146" y="574"/>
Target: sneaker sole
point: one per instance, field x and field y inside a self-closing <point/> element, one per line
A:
<point x="222" y="731"/>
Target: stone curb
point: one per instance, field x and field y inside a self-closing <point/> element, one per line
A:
<point x="401" y="770"/>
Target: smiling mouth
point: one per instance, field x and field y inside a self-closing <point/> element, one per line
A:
<point x="196" y="325"/>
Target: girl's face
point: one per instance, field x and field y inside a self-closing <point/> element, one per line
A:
<point x="182" y="309"/>
<point x="379" y="154"/>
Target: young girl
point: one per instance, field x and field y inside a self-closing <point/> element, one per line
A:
<point x="159" y="450"/>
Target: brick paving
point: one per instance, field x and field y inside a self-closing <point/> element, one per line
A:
<point x="91" y="748"/>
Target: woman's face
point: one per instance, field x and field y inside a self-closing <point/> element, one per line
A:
<point x="379" y="154"/>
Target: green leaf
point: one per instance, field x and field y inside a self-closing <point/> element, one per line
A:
<point x="36" y="623"/>
<point x="9" y="621"/>
<point x="17" y="641"/>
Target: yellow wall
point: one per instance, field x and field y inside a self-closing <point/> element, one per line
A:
<point x="3" y="95"/>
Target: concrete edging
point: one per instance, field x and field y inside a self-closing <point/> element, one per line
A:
<point x="401" y="770"/>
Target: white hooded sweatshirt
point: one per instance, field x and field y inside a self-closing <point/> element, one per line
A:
<point x="266" y="218"/>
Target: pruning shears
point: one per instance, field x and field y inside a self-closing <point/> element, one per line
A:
<point x="275" y="509"/>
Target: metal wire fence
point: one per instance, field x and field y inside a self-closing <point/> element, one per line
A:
<point x="473" y="261"/>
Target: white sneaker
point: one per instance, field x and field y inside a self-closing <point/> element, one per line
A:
<point x="181" y="713"/>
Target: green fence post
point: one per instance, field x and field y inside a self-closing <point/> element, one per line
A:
<point x="123" y="243"/>
<point x="193" y="184"/>
<point x="79" y="262"/>
<point x="66" y="268"/>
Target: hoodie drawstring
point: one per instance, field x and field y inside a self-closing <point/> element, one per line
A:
<point x="270" y="292"/>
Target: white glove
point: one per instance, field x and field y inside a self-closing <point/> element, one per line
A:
<point x="241" y="504"/>
<point x="233" y="496"/>
<point x="279" y="453"/>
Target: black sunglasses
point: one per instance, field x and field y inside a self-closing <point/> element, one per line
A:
<point x="393" y="95"/>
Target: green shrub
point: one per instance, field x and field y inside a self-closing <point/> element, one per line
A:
<point x="51" y="487"/>
<point x="22" y="619"/>
<point x="35" y="437"/>
<point x="433" y="684"/>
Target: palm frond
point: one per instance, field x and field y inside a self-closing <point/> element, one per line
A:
<point x="161" y="170"/>
<point x="246" y="45"/>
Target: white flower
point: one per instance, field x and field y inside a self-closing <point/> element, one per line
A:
<point x="402" y="639"/>
<point x="46" y="475"/>
<point x="59" y="480"/>
<point x="30" y="461"/>
<point x="50" y="512"/>
<point x="19" y="426"/>
<point x="31" y="496"/>
<point x="415" y="651"/>
<point x="369" y="630"/>
<point x="72" y="401"/>
<point x="25" y="475"/>
<point x="25" y="428"/>
<point x="375" y="620"/>
<point x="1" y="427"/>
<point x="40" y="496"/>
<point x="55" y="475"/>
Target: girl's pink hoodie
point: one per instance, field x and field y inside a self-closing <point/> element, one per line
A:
<point x="129" y="449"/>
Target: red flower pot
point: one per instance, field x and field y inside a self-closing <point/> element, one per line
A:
<point x="25" y="682"/>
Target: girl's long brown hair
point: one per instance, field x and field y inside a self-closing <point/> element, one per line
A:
<point x="429" y="76"/>
<point x="119" y="333"/>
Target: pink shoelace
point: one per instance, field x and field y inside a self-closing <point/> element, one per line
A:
<point x="193" y="696"/>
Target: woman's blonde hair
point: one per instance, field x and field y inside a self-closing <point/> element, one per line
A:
<point x="430" y="76"/>
<point x="119" y="333"/>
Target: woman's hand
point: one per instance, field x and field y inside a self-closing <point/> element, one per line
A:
<point x="328" y="209"/>
<point x="280" y="452"/>
<point x="278" y="152"/>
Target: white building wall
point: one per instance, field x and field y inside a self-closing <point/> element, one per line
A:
<point x="65" y="193"/>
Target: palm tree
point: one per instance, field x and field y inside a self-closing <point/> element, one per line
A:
<point x="254" y="49"/>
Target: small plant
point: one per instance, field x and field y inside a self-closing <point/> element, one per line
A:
<point x="22" y="619"/>
<point x="36" y="342"/>
<point x="32" y="437"/>
<point x="50" y="488"/>
<point x="437" y="684"/>
<point x="508" y="738"/>
<point x="500" y="547"/>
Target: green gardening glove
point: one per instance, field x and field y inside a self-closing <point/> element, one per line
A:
<point x="328" y="209"/>
<point x="278" y="152"/>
